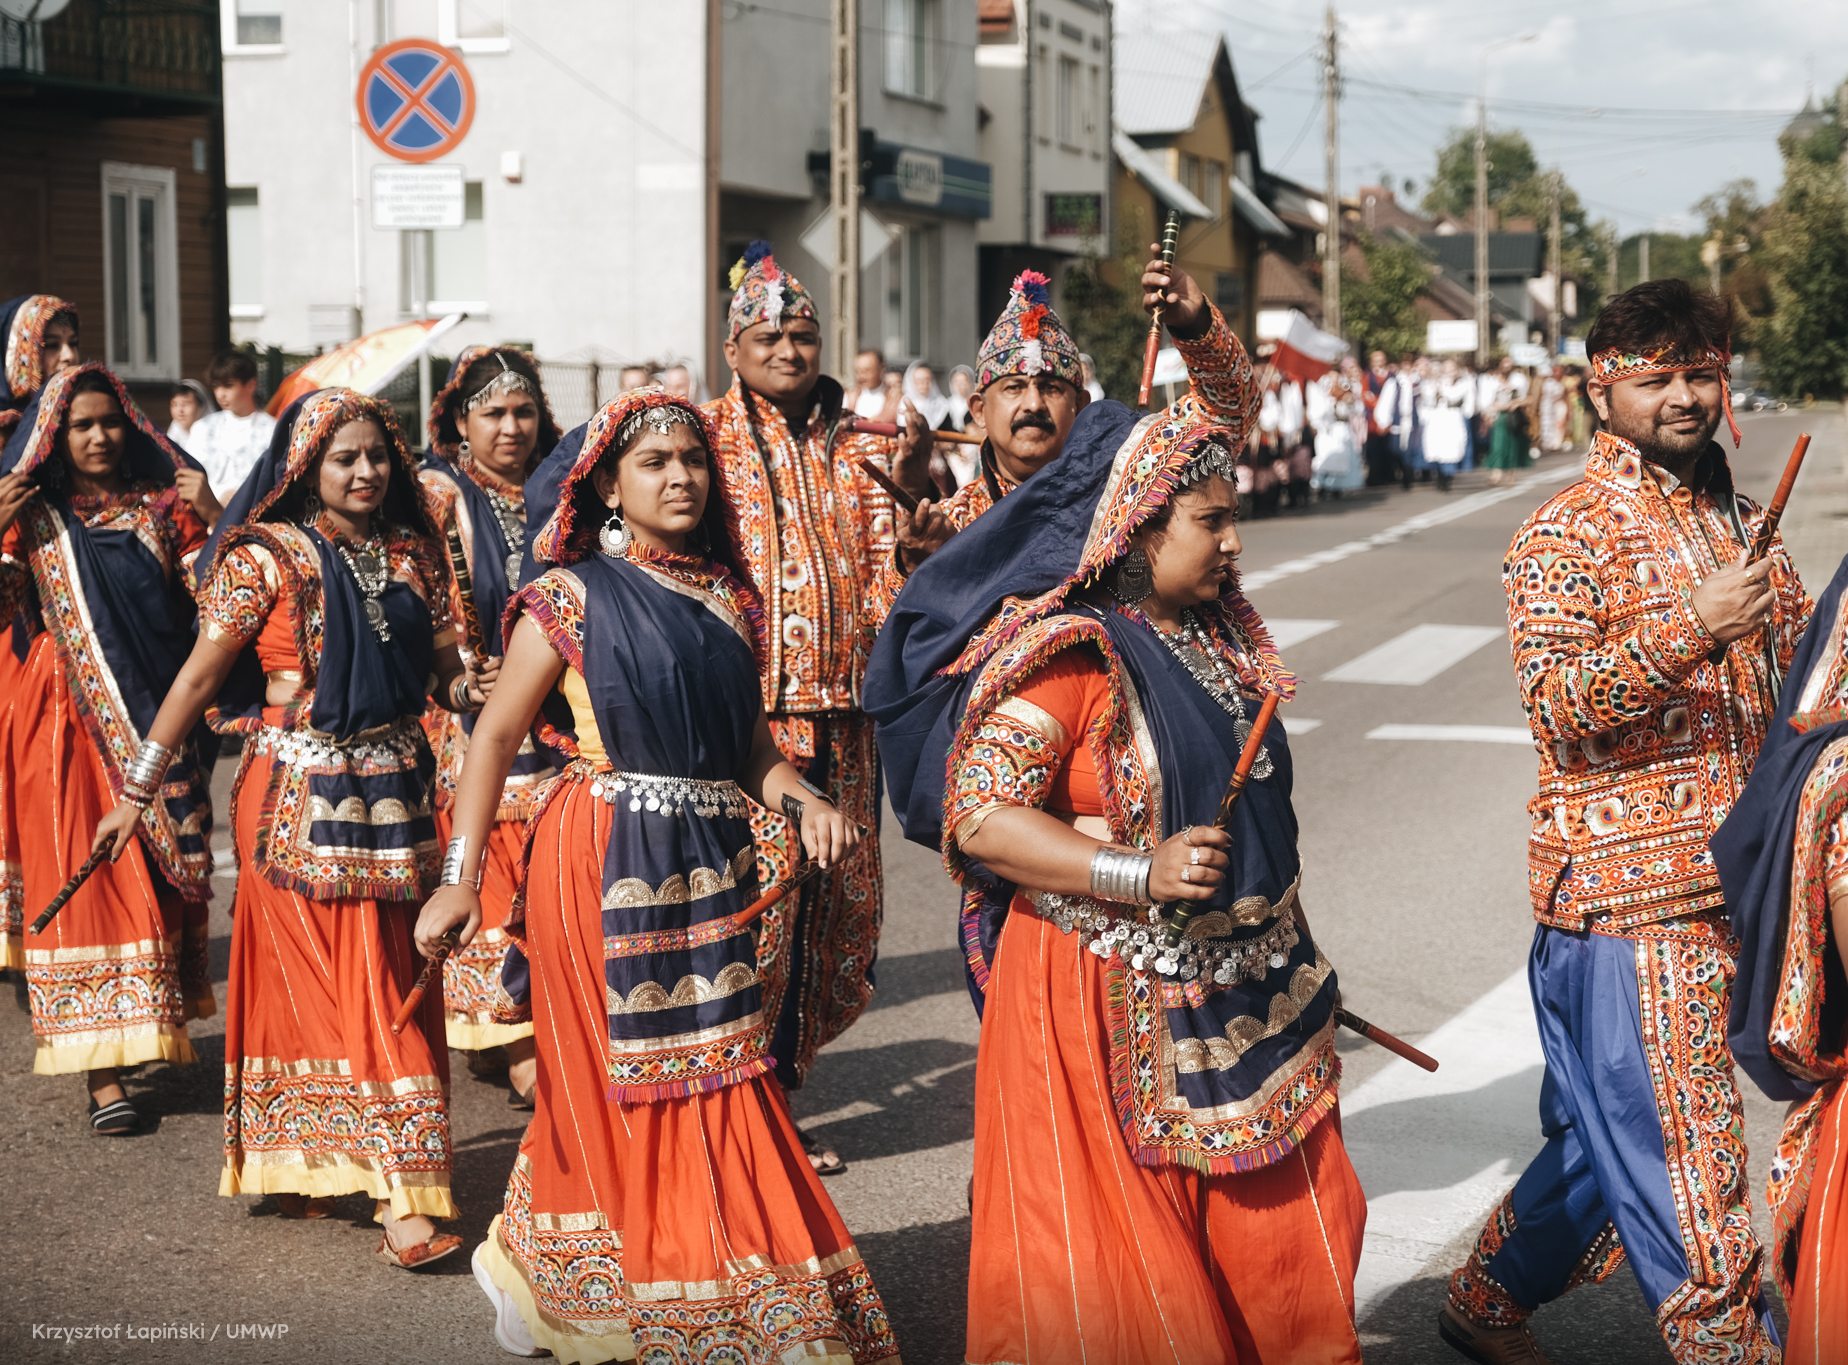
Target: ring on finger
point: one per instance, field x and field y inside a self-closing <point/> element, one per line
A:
<point x="1194" y="861"/>
<point x="1187" y="875"/>
<point x="1186" y="832"/>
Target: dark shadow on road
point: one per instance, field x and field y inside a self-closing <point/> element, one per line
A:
<point x="923" y="1276"/>
<point x="916" y="975"/>
<point x="1446" y="1131"/>
<point x="925" y="1091"/>
<point x="1599" y="1324"/>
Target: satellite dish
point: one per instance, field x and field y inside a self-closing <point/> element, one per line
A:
<point x="32" y="11"/>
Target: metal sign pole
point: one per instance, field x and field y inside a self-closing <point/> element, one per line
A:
<point x="844" y="180"/>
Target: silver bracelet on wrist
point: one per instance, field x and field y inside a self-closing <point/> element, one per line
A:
<point x="453" y="857"/>
<point x="458" y="694"/>
<point x="1121" y="876"/>
<point x="141" y="783"/>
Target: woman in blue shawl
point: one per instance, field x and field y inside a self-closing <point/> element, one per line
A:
<point x="489" y="426"/>
<point x="1062" y="694"/>
<point x="662" y="1206"/>
<point x="97" y="543"/>
<point x="324" y="614"/>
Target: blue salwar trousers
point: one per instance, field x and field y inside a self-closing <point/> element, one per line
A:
<point x="1645" y="1145"/>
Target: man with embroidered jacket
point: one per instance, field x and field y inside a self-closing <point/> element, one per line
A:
<point x="816" y="530"/>
<point x="1030" y="389"/>
<point x="1649" y="655"/>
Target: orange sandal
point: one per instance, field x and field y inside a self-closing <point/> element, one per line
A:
<point x="433" y="1248"/>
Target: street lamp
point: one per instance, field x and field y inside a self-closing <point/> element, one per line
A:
<point x="1482" y="194"/>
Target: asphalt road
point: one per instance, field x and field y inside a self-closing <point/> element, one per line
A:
<point x="1413" y="854"/>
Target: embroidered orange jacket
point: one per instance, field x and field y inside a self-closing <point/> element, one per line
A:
<point x="1644" y="744"/>
<point x="816" y="530"/>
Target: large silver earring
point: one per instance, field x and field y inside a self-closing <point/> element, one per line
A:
<point x="311" y="509"/>
<point x="614" y="537"/>
<point x="462" y="448"/>
<point x="1134" y="579"/>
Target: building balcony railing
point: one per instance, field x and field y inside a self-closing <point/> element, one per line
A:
<point x="163" y="52"/>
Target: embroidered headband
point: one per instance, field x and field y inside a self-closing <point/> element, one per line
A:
<point x="509" y="380"/>
<point x="1607" y="367"/>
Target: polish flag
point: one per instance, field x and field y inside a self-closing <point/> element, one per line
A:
<point x="1304" y="352"/>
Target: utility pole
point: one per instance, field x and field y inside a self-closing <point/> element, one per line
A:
<point x="844" y="179"/>
<point x="1331" y="235"/>
<point x="1482" y="193"/>
<point x="1612" y="246"/>
<point x="1556" y="313"/>
<point x="1642" y="259"/>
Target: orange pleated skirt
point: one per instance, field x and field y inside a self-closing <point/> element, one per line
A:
<point x="1819" y="1290"/>
<point x="471" y="976"/>
<point x="1079" y="1254"/>
<point x="683" y="1229"/>
<point x="115" y="976"/>
<point x="321" y="1097"/>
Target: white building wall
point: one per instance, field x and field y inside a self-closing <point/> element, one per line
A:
<point x="598" y="251"/>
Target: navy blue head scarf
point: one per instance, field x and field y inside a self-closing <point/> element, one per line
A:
<point x="1754" y="849"/>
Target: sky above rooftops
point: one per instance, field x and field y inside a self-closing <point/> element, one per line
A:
<point x="1646" y="107"/>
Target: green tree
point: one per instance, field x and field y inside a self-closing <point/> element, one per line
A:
<point x="1804" y="343"/>
<point x="1378" y="301"/>
<point x="1518" y="188"/>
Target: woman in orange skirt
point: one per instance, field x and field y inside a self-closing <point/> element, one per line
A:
<point x="97" y="540"/>
<point x="489" y="426"/>
<point x="324" y="609"/>
<point x="1062" y="694"/>
<point x="662" y="1205"/>
<point x="38" y="338"/>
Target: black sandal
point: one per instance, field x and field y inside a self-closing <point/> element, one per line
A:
<point x="114" y="1120"/>
<point x="819" y="1150"/>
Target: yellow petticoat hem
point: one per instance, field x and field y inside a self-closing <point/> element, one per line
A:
<point x="161" y="1043"/>
<point x="332" y="1180"/>
<point x="465" y="1035"/>
<point x="12" y="953"/>
<point x="548" y="1333"/>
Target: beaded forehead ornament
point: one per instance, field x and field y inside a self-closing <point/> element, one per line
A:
<point x="1607" y="367"/>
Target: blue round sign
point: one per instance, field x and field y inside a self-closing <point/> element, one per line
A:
<point x="416" y="99"/>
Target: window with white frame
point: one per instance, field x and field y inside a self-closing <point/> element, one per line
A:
<point x="911" y="48"/>
<point x="472" y="25"/>
<point x="244" y="243"/>
<point x="250" y="27"/>
<point x="141" y="272"/>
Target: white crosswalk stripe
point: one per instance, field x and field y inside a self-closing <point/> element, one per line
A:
<point x="1472" y="734"/>
<point x="1289" y="631"/>
<point x="1417" y="656"/>
<point x="1435" y="1151"/>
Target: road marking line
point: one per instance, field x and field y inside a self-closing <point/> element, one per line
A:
<point x="1417" y="656"/>
<point x="1475" y="1121"/>
<point x="1292" y="631"/>
<point x="1476" y="734"/>
<point x="1252" y="580"/>
<point x="1298" y="725"/>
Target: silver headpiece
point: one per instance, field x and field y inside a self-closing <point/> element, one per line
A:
<point x="660" y="419"/>
<point x="509" y="380"/>
<point x="1212" y="459"/>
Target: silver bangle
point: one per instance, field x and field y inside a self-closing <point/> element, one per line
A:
<point x="1120" y="876"/>
<point x="453" y="857"/>
<point x="141" y="783"/>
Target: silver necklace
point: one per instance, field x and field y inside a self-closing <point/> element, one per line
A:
<point x="367" y="566"/>
<point x="1194" y="650"/>
<point x="513" y="527"/>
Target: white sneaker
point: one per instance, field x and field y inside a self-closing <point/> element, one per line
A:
<point x="509" y="1327"/>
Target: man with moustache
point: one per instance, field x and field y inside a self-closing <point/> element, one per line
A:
<point x="1030" y="390"/>
<point x="1649" y="655"/>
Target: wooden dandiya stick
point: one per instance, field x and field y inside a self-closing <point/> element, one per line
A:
<point x="1169" y="233"/>
<point x="886" y="481"/>
<point x="432" y="969"/>
<point x="1176" y="927"/>
<point x="1761" y="543"/>
<point x="465" y="590"/>
<point x="1373" y="1033"/>
<point x="776" y="894"/>
<point x="96" y="859"/>
<point x="865" y="426"/>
